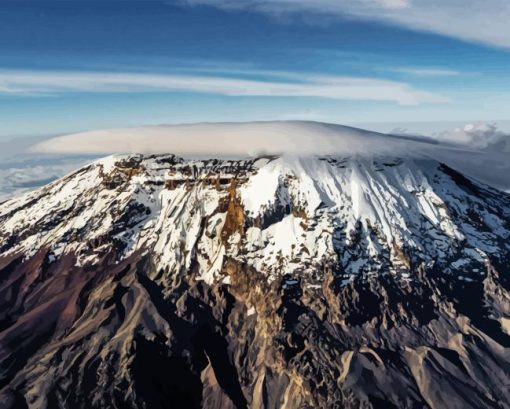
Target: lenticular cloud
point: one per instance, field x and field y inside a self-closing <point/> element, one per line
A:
<point x="242" y="140"/>
<point x="237" y="139"/>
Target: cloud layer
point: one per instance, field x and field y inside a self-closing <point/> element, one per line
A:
<point x="291" y="137"/>
<point x="471" y="20"/>
<point x="282" y="85"/>
<point x="227" y="139"/>
<point x="29" y="172"/>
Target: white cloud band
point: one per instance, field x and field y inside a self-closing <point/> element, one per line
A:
<point x="483" y="21"/>
<point x="289" y="85"/>
<point x="292" y="137"/>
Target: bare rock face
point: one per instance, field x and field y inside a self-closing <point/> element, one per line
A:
<point x="158" y="282"/>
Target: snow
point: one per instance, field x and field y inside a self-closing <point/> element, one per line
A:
<point x="303" y="216"/>
<point x="260" y="191"/>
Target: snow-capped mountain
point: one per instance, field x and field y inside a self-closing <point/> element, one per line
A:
<point x="279" y="215"/>
<point x="276" y="281"/>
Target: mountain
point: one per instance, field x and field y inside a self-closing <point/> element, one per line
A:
<point x="153" y="281"/>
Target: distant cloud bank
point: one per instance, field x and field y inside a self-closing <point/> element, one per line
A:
<point x="478" y="135"/>
<point x="29" y="172"/>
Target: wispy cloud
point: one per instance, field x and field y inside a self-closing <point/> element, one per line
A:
<point x="472" y="20"/>
<point x="394" y="4"/>
<point x="280" y="85"/>
<point x="427" y="72"/>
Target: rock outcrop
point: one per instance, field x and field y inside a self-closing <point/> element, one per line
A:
<point x="158" y="282"/>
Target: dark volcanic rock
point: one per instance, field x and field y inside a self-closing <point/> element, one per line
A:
<point x="191" y="300"/>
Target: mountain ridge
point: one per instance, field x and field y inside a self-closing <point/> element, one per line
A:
<point x="279" y="281"/>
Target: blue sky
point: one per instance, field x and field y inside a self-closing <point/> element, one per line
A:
<point x="71" y="65"/>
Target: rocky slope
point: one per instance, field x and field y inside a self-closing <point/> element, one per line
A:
<point x="154" y="282"/>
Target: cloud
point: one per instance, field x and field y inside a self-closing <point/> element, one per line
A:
<point x="478" y="135"/>
<point x="237" y="140"/>
<point x="289" y="85"/>
<point x="394" y="4"/>
<point x="230" y="139"/>
<point x="32" y="171"/>
<point x="471" y="20"/>
<point x="427" y="72"/>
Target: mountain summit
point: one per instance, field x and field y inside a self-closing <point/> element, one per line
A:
<point x="277" y="281"/>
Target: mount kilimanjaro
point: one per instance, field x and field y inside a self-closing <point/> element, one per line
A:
<point x="277" y="281"/>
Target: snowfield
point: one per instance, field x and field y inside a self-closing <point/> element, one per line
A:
<point x="280" y="215"/>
